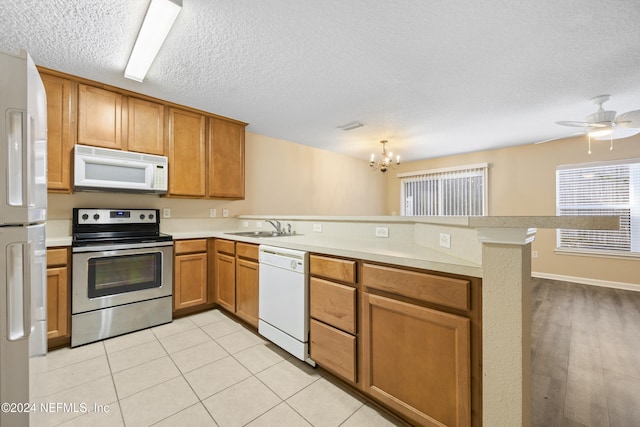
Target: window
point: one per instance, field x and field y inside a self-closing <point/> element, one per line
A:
<point x="608" y="188"/>
<point x="452" y="191"/>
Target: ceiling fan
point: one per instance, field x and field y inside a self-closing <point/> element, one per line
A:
<point x="604" y="124"/>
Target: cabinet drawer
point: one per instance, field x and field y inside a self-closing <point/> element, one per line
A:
<point x="246" y="250"/>
<point x="420" y="286"/>
<point x="56" y="257"/>
<point x="189" y="246"/>
<point x="226" y="246"/>
<point x="333" y="349"/>
<point x="333" y="303"/>
<point x="332" y="268"/>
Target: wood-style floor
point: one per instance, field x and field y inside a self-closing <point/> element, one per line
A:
<point x="585" y="355"/>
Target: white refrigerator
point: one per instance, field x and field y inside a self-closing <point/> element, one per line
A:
<point x="23" y="212"/>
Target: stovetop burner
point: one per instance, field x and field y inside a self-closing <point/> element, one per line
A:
<point x="93" y="226"/>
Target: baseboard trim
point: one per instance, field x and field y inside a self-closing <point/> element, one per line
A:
<point x="587" y="281"/>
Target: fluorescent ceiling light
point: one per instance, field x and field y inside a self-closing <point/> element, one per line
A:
<point x="155" y="27"/>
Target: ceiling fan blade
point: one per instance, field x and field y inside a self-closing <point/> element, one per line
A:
<point x="619" y="133"/>
<point x="630" y="119"/>
<point x="560" y="137"/>
<point x="572" y="123"/>
<point x="582" y="124"/>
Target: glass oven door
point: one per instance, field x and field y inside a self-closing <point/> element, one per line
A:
<point x="108" y="278"/>
<point x="117" y="274"/>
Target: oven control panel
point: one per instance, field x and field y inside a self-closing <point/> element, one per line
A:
<point x="117" y="216"/>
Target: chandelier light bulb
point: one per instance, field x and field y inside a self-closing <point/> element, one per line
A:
<point x="386" y="160"/>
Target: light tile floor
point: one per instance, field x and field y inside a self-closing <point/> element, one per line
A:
<point x="201" y="370"/>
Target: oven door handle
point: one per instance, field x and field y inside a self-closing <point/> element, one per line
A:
<point x="101" y="248"/>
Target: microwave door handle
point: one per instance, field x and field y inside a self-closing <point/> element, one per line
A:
<point x="17" y="152"/>
<point x="19" y="289"/>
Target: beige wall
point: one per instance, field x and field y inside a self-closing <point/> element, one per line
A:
<point x="281" y="178"/>
<point x="522" y="182"/>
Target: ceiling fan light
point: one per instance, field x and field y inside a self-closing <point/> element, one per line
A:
<point x="600" y="132"/>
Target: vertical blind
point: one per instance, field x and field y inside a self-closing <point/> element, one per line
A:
<point x="460" y="191"/>
<point x="611" y="188"/>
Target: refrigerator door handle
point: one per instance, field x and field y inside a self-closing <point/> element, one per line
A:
<point x="17" y="152"/>
<point x="19" y="291"/>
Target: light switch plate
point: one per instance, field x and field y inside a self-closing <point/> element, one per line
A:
<point x="213" y="213"/>
<point x="225" y="213"/>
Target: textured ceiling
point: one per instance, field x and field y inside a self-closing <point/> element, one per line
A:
<point x="432" y="77"/>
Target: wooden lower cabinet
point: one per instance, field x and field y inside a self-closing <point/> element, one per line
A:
<point x="190" y="273"/>
<point x="57" y="294"/>
<point x="247" y="273"/>
<point x="225" y="274"/>
<point x="236" y="274"/>
<point x="416" y="360"/>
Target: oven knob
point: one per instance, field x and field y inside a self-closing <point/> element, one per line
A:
<point x="141" y="216"/>
<point x="150" y="216"/>
<point x="96" y="216"/>
<point x="85" y="217"/>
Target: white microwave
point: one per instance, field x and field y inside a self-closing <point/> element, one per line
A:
<point x="102" y="169"/>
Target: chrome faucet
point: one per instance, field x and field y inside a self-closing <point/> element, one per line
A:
<point x="276" y="224"/>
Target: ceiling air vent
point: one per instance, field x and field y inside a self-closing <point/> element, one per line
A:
<point x="350" y="126"/>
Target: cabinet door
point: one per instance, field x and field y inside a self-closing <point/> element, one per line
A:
<point x="417" y="361"/>
<point x="226" y="159"/>
<point x="145" y="129"/>
<point x="60" y="131"/>
<point x="99" y="117"/>
<point x="247" y="291"/>
<point x="186" y="153"/>
<point x="190" y="280"/>
<point x="225" y="282"/>
<point x="57" y="302"/>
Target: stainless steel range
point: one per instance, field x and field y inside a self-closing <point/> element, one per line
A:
<point x="122" y="273"/>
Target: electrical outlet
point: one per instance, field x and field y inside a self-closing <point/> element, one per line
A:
<point x="245" y="224"/>
<point x="225" y="213"/>
<point x="166" y="213"/>
<point x="317" y="228"/>
<point x="534" y="254"/>
<point x="259" y="224"/>
<point x="445" y="240"/>
<point x="382" y="232"/>
<point x="213" y="213"/>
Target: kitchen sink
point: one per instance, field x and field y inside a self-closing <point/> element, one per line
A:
<point x="261" y="234"/>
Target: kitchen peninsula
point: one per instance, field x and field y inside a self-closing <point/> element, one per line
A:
<point x="492" y="251"/>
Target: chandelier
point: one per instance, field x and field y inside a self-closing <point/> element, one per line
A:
<point x="386" y="161"/>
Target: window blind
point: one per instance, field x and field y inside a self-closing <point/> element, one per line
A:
<point x="459" y="191"/>
<point x="611" y="188"/>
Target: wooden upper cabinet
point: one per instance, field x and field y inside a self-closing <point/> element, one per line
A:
<point x="61" y="114"/>
<point x="186" y="152"/>
<point x="145" y="127"/>
<point x="226" y="159"/>
<point x="99" y="117"/>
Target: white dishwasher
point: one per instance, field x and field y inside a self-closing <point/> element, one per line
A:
<point x="283" y="308"/>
